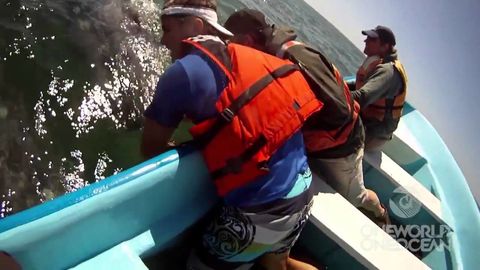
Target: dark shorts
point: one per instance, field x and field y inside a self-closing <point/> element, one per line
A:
<point x="238" y="236"/>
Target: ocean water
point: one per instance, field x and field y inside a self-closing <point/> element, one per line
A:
<point x="76" y="76"/>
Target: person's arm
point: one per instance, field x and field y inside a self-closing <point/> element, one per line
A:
<point x="155" y="138"/>
<point x="381" y="84"/>
<point x="167" y="109"/>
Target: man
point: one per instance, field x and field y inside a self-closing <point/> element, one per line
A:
<point x="381" y="87"/>
<point x="334" y="136"/>
<point x="264" y="180"/>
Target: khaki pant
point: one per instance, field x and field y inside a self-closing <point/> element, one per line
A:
<point x="373" y="144"/>
<point x="345" y="175"/>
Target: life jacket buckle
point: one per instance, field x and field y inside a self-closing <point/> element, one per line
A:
<point x="227" y="115"/>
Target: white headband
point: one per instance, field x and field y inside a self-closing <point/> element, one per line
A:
<point x="207" y="14"/>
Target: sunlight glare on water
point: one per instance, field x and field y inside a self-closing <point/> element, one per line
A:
<point x="84" y="71"/>
<point x="76" y="76"/>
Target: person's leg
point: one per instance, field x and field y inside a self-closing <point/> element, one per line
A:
<point x="228" y="234"/>
<point x="293" y="264"/>
<point x="236" y="239"/>
<point x="368" y="198"/>
<point x="373" y="144"/>
<point x="370" y="202"/>
<point x="345" y="175"/>
<point x="283" y="261"/>
<point x="280" y="257"/>
<point x="239" y="237"/>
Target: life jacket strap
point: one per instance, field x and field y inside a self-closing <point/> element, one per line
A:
<point x="234" y="165"/>
<point x="228" y="114"/>
<point x="287" y="45"/>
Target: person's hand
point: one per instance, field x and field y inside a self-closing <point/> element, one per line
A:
<point x="172" y="143"/>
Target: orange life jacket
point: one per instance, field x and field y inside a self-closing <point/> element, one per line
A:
<point x="386" y="109"/>
<point x="315" y="136"/>
<point x="366" y="69"/>
<point x="265" y="102"/>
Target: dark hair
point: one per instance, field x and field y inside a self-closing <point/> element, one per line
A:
<point x="259" y="37"/>
<point x="249" y="22"/>
<point x="390" y="46"/>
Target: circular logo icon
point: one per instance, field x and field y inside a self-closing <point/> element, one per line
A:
<point x="403" y="205"/>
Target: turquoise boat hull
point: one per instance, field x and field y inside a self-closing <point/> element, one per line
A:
<point x="120" y="222"/>
<point x="158" y="200"/>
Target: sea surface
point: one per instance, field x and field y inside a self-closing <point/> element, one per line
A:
<point x="76" y="76"/>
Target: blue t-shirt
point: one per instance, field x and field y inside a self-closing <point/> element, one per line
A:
<point x="190" y="87"/>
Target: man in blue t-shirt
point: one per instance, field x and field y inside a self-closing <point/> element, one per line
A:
<point x="276" y="204"/>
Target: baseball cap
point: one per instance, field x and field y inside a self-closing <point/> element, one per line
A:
<point x="383" y="33"/>
<point x="246" y="21"/>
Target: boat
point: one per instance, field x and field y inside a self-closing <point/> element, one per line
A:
<point x="146" y="217"/>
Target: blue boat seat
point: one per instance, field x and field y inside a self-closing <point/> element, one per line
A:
<point x="121" y="257"/>
<point x="391" y="174"/>
<point x="357" y="235"/>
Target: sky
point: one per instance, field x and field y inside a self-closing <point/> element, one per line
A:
<point x="438" y="42"/>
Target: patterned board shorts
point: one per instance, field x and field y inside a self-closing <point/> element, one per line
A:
<point x="237" y="237"/>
